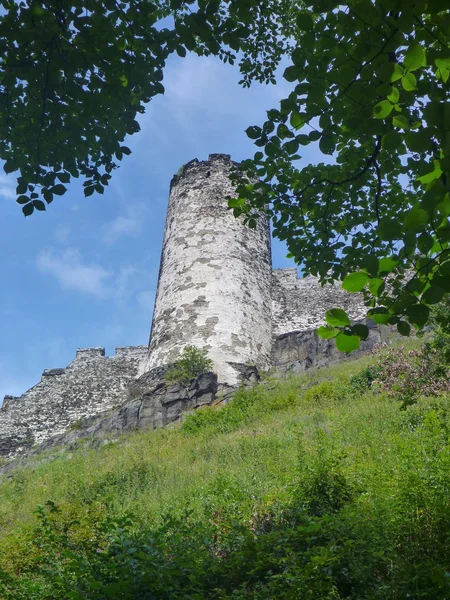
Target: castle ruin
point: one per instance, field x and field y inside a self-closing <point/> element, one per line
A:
<point x="216" y="290"/>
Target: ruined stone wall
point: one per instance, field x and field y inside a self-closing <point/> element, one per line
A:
<point x="217" y="291"/>
<point x="92" y="383"/>
<point x="300" y="304"/>
<point x="215" y="276"/>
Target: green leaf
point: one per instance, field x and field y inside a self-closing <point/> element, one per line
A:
<point x="403" y="328"/>
<point x="22" y="199"/>
<point x="298" y="57"/>
<point x="419" y="141"/>
<point x="409" y="82"/>
<point x="22" y="188"/>
<point x="48" y="196"/>
<point x="400" y="121"/>
<point x="303" y="139"/>
<point x="387" y="265"/>
<point x="305" y="21"/>
<point x="355" y="282"/>
<point x="415" y="58"/>
<point x="89" y="190"/>
<point x="375" y="285"/>
<point x="125" y="150"/>
<point x="416" y="219"/>
<point x="397" y="72"/>
<point x="326" y="332"/>
<point x="370" y="264"/>
<point x="296" y="120"/>
<point x="63" y="177"/>
<point x="253" y="132"/>
<point x="9" y="167"/>
<point x="444" y="269"/>
<point x="425" y="242"/>
<point x="394" y="95"/>
<point x="442" y="282"/>
<point x="38" y="205"/>
<point x="391" y="140"/>
<point x="383" y="109"/>
<point x="418" y="314"/>
<point x="443" y="65"/>
<point x="327" y="145"/>
<point x="293" y="73"/>
<point x="347" y="343"/>
<point x="181" y="51"/>
<point x="28" y="209"/>
<point x="291" y="147"/>
<point x="361" y="330"/>
<point x="435" y="174"/>
<point x="236" y="202"/>
<point x="380" y="318"/>
<point x="337" y="317"/>
<point x="58" y="189"/>
<point x="389" y="230"/>
<point x="433" y="294"/>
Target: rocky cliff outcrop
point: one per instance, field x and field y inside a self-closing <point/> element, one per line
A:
<point x="151" y="402"/>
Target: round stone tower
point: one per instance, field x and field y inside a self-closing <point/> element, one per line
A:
<point x="214" y="287"/>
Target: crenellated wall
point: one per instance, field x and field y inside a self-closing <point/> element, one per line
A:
<point x="91" y="384"/>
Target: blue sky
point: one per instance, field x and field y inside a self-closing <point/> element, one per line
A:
<point x="84" y="273"/>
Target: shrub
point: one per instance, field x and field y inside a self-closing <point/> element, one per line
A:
<point x="324" y="487"/>
<point x="181" y="170"/>
<point x="362" y="381"/>
<point x="327" y="391"/>
<point x="409" y="374"/>
<point x="192" y="363"/>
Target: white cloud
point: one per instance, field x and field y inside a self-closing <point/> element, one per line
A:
<point x="131" y="223"/>
<point x="121" y="226"/>
<point x="7" y="187"/>
<point x="122" y="285"/>
<point x="72" y="273"/>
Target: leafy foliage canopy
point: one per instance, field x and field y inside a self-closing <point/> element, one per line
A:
<point x="75" y="75"/>
<point x="370" y="87"/>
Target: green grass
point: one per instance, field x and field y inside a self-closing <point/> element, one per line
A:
<point x="310" y="441"/>
<point x="145" y="472"/>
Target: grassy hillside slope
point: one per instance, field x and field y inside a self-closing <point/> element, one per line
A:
<point x="311" y="487"/>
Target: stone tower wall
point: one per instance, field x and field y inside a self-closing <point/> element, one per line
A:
<point x="214" y="288"/>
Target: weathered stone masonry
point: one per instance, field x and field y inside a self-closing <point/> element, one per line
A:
<point x="217" y="291"/>
<point x="214" y="288"/>
<point x="92" y="383"/>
